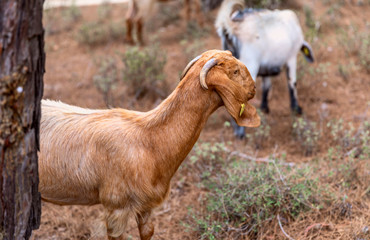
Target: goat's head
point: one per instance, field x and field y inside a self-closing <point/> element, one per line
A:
<point x="230" y="78"/>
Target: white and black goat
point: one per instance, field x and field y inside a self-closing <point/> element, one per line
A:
<point x="265" y="41"/>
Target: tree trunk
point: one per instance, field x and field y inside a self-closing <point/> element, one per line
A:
<point x="22" y="63"/>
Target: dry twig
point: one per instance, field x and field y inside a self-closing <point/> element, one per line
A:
<point x="282" y="229"/>
<point x="251" y="158"/>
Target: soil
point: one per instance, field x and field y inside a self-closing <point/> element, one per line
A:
<point x="325" y="94"/>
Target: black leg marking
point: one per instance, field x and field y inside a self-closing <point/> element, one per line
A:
<point x="264" y="105"/>
<point x="239" y="131"/>
<point x="266" y="84"/>
<point x="293" y="100"/>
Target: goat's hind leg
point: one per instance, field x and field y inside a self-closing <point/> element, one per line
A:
<point x="130" y="17"/>
<point x="292" y="84"/>
<point x="266" y="85"/>
<point x="146" y="227"/>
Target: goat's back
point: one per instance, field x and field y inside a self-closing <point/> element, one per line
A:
<point x="75" y="148"/>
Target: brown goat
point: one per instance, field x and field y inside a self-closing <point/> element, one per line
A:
<point x="125" y="159"/>
<point x="138" y="10"/>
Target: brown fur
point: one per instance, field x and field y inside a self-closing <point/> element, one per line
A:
<point x="125" y="159"/>
<point x="138" y="10"/>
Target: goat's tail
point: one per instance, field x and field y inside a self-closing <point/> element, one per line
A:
<point x="224" y="22"/>
<point x="307" y="51"/>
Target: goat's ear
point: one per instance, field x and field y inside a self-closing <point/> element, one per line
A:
<point x="237" y="16"/>
<point x="235" y="98"/>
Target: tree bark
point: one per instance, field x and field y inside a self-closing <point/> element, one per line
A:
<point x="22" y="64"/>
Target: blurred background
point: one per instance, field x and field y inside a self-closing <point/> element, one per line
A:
<point x="303" y="177"/>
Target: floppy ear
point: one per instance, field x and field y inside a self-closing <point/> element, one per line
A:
<point x="235" y="98"/>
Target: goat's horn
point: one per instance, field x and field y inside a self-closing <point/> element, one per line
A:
<point x="191" y="63"/>
<point x="211" y="63"/>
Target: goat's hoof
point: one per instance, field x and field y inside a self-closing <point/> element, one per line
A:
<point x="265" y="109"/>
<point x="129" y="41"/>
<point x="239" y="132"/>
<point x="240" y="136"/>
<point x="297" y="110"/>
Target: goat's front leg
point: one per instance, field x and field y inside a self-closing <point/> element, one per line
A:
<point x="146" y="227"/>
<point x="292" y="84"/>
<point x="122" y="237"/>
<point x="140" y="31"/>
<point x="129" y="26"/>
<point x="116" y="223"/>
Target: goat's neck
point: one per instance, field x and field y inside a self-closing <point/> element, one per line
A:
<point x="176" y="123"/>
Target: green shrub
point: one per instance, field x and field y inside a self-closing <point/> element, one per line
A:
<point x="357" y="43"/>
<point x="310" y="21"/>
<point x="341" y="134"/>
<point x="168" y="13"/>
<point x="61" y="19"/>
<point x="207" y="158"/>
<point x="348" y="139"/>
<point x="364" y="50"/>
<point x="365" y="140"/>
<point x="72" y="13"/>
<point x="191" y="50"/>
<point x="143" y="69"/>
<point x="258" y="136"/>
<point x="92" y="33"/>
<point x="106" y="79"/>
<point x="96" y="33"/>
<point x="104" y="10"/>
<point x="244" y="197"/>
<point x="346" y="70"/>
<point x="195" y="31"/>
<point x="307" y="135"/>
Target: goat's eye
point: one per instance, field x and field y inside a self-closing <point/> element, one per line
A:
<point x="236" y="71"/>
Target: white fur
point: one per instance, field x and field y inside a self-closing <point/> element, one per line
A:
<point x="267" y="38"/>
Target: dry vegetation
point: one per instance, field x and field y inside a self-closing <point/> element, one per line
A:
<point x="304" y="177"/>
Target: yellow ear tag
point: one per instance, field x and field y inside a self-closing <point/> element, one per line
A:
<point x="306" y="52"/>
<point x="242" y="109"/>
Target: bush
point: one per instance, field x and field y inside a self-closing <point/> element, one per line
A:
<point x="104" y="11"/>
<point x="143" y="69"/>
<point x="193" y="49"/>
<point x="346" y="138"/>
<point x="244" y="197"/>
<point x="364" y="52"/>
<point x="96" y="33"/>
<point x="62" y="19"/>
<point x="306" y="134"/>
<point x="258" y="136"/>
<point x="106" y="79"/>
<point x="206" y="159"/>
<point x="195" y="31"/>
